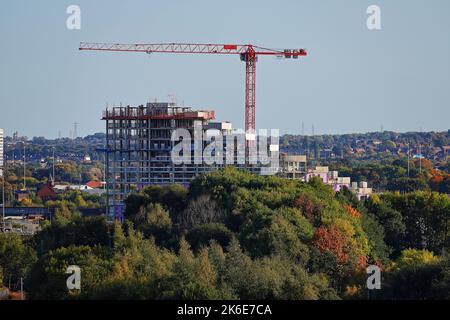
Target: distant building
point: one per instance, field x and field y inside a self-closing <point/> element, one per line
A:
<point x="329" y="177"/>
<point x="319" y="172"/>
<point x="327" y="153"/>
<point x="292" y="166"/>
<point x="338" y="182"/>
<point x="362" y="191"/>
<point x="36" y="214"/>
<point x="43" y="163"/>
<point x="24" y="220"/>
<point x="26" y="212"/>
<point x="66" y="187"/>
<point x="87" y="159"/>
<point x="61" y="188"/>
<point x="139" y="145"/>
<point x="20" y="195"/>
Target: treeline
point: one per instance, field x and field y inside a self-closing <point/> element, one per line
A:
<point x="234" y="235"/>
<point x="39" y="148"/>
<point x="36" y="175"/>
<point x="386" y="140"/>
<point x="393" y="175"/>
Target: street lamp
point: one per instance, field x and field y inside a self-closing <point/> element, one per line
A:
<point x="3" y="195"/>
<point x="3" y="186"/>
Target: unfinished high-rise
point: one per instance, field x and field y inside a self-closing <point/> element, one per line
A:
<point x="138" y="148"/>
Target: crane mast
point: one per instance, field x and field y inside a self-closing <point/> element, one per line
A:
<point x="248" y="53"/>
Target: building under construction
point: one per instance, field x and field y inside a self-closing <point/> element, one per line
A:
<point x="139" y="145"/>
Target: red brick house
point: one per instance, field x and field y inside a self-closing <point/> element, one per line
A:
<point x="46" y="192"/>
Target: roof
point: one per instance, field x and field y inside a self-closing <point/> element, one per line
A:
<point x="23" y="211"/>
<point x="293" y="158"/>
<point x="94" y="184"/>
<point x="71" y="187"/>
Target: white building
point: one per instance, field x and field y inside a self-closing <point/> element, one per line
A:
<point x="64" y="187"/>
<point x="292" y="166"/>
<point x="362" y="191"/>
<point x="328" y="177"/>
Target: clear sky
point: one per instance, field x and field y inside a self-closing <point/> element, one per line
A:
<point x="354" y="79"/>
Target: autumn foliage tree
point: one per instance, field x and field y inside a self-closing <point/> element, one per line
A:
<point x="333" y="241"/>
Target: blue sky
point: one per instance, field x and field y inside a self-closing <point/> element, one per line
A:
<point x="354" y="80"/>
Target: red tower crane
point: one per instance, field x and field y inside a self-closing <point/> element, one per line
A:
<point x="248" y="53"/>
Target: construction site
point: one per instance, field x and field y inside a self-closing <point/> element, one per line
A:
<point x="139" y="145"/>
<point x="139" y="138"/>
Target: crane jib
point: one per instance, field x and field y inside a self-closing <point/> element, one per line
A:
<point x="248" y="53"/>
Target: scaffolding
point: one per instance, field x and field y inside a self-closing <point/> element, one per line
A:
<point x="138" y="149"/>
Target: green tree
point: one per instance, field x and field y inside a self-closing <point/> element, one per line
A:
<point x="417" y="274"/>
<point x="16" y="258"/>
<point x="153" y="221"/>
<point x="172" y="197"/>
<point x="391" y="220"/>
<point x="62" y="213"/>
<point x="201" y="210"/>
<point x="415" y="257"/>
<point x="47" y="279"/>
<point x="426" y="216"/>
<point x="200" y="236"/>
<point x="379" y="251"/>
<point x="88" y="231"/>
<point x="239" y="271"/>
<point x="405" y="184"/>
<point x="193" y="277"/>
